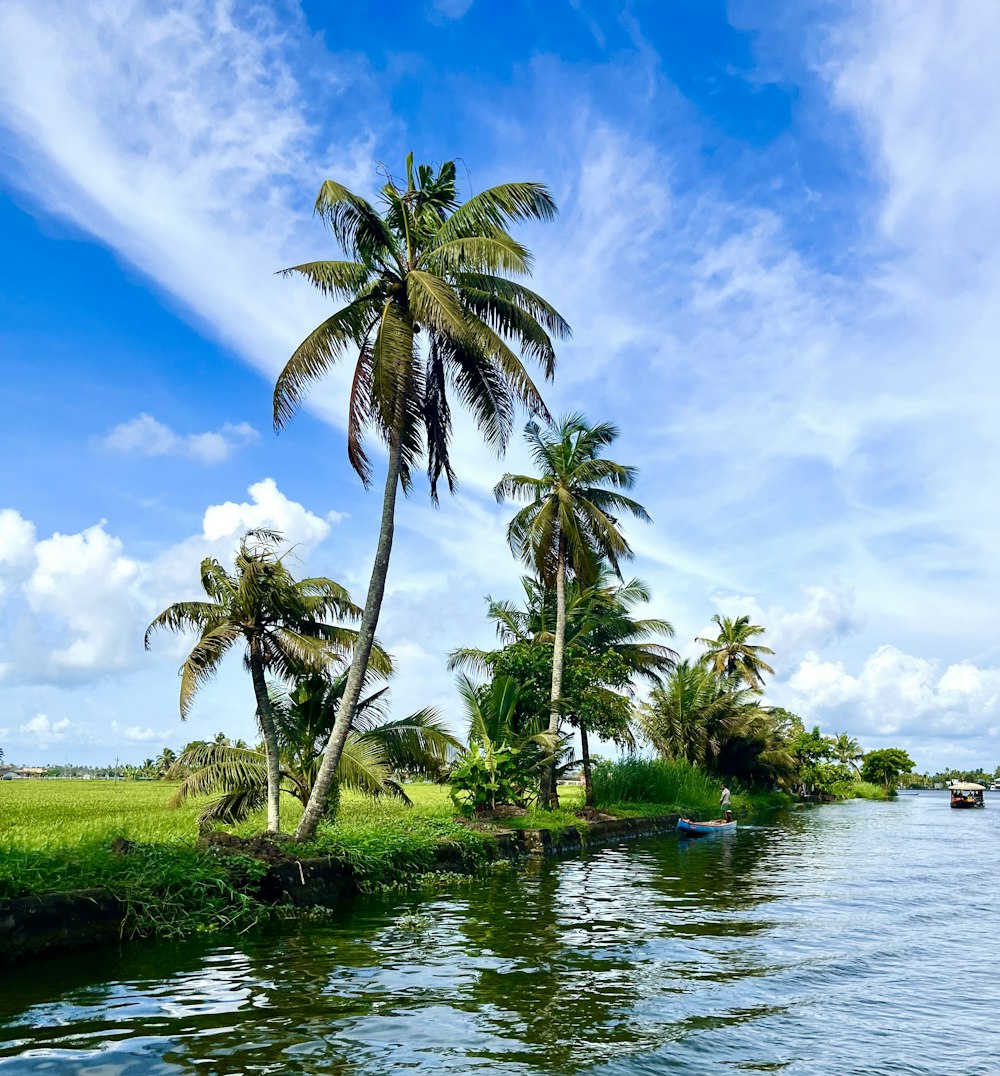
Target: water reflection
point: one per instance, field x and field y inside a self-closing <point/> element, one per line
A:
<point x="813" y="944"/>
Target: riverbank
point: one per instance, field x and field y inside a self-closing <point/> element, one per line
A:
<point x="243" y="882"/>
<point x="139" y="870"/>
<point x="722" y="955"/>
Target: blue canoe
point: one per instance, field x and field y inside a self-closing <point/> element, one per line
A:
<point x="687" y="828"/>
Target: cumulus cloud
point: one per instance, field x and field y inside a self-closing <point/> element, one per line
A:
<point x="41" y="731"/>
<point x="83" y="598"/>
<point x="895" y="693"/>
<point x="84" y="603"/>
<point x="268" y="507"/>
<point x="826" y="617"/>
<point x="17" y="541"/>
<point x="136" y="734"/>
<point x="145" y="436"/>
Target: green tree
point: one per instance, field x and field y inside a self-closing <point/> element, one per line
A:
<point x="281" y="624"/>
<point x="165" y="761"/>
<point x="723" y="729"/>
<point x="847" y="751"/>
<point x="733" y="656"/>
<point x="607" y="646"/>
<point x="885" y="766"/>
<point x="429" y="301"/>
<point x="376" y="750"/>
<point x="570" y="524"/>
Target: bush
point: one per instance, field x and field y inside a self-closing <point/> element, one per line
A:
<point x="484" y="779"/>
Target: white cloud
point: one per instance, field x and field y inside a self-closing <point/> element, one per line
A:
<point x="826" y="618"/>
<point x="85" y="603"/>
<point x="41" y="731"/>
<point x="268" y="508"/>
<point x="17" y="540"/>
<point x="898" y="694"/>
<point x="145" y="436"/>
<point x="135" y="734"/>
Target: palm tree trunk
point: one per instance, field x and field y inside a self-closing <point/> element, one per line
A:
<point x="588" y="784"/>
<point x="547" y="795"/>
<point x="265" y="719"/>
<point x="317" y="805"/>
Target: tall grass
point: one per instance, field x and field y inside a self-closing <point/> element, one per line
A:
<point x="671" y="785"/>
<point x="864" y="790"/>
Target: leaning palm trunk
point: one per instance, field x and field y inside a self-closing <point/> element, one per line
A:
<point x="317" y="805"/>
<point x="548" y="795"/>
<point x="265" y="717"/>
<point x="588" y="781"/>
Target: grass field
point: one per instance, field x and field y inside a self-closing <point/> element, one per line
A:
<point x="57" y="835"/>
<point x="50" y="814"/>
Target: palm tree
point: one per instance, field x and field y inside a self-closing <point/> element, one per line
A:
<point x="606" y="624"/>
<point x="722" y="728"/>
<point x="569" y="523"/>
<point x="599" y="620"/>
<point x="733" y="656"/>
<point x="680" y="717"/>
<point x="847" y="751"/>
<point x="166" y="759"/>
<point x="428" y="301"/>
<point x="377" y="748"/>
<point x="281" y="622"/>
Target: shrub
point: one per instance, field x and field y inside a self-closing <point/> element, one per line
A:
<point x="484" y="779"/>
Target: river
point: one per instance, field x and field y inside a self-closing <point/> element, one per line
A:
<point x="844" y="939"/>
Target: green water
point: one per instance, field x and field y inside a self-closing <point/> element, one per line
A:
<point x="854" y="938"/>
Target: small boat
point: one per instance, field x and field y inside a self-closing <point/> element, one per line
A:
<point x="966" y="794"/>
<point x="687" y="828"/>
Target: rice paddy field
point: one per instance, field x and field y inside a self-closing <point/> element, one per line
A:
<point x="58" y="835"/>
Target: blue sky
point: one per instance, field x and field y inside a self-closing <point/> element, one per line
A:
<point x="777" y="247"/>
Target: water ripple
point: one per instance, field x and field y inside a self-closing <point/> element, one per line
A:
<point x="850" y="939"/>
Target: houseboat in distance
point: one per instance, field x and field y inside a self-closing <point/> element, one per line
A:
<point x="995" y="785"/>
<point x="966" y="794"/>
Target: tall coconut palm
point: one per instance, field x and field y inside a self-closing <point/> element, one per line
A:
<point x="376" y="749"/>
<point x="733" y="656"/>
<point x="847" y="751"/>
<point x="282" y="625"/>
<point x="428" y="302"/>
<point x="570" y="523"/>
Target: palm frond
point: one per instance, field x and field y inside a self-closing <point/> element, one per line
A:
<point x="320" y="350"/>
